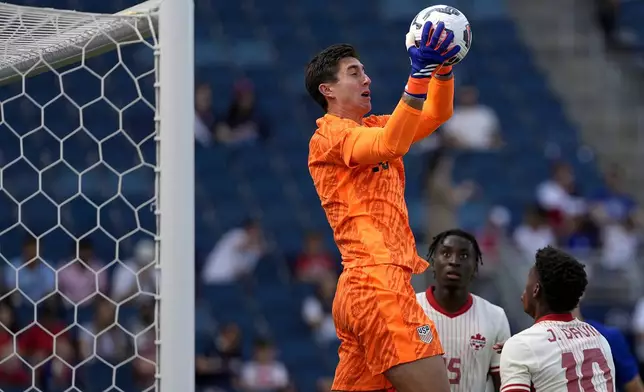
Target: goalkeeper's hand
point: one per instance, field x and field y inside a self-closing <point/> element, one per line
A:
<point x="431" y="52"/>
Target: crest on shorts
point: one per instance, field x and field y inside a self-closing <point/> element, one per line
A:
<point x="425" y="334"/>
<point x="477" y="341"/>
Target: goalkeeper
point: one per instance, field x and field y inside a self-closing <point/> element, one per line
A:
<point x="357" y="168"/>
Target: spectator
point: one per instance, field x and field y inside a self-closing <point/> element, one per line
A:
<point x="35" y="278"/>
<point x="558" y="195"/>
<point x="444" y="196"/>
<point x="205" y="118"/>
<point x="137" y="275"/>
<point x="316" y="310"/>
<point x="218" y="359"/>
<point x="242" y="124"/>
<point x="620" y="242"/>
<point x="38" y="342"/>
<point x="315" y="262"/>
<point x="581" y="236"/>
<point x="473" y="125"/>
<point x="264" y="373"/>
<point x="492" y="235"/>
<point x="13" y="372"/>
<point x="235" y="255"/>
<point x="534" y="232"/>
<point x="143" y="329"/>
<point x="616" y="205"/>
<point x="82" y="277"/>
<point x="105" y="339"/>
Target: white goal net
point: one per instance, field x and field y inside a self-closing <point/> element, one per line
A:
<point x="80" y="215"/>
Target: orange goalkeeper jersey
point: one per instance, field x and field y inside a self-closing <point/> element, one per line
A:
<point x="358" y="172"/>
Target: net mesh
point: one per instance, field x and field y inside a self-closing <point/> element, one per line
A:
<point x="77" y="192"/>
<point x="37" y="39"/>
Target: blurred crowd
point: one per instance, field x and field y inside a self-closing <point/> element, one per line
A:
<point x="43" y="298"/>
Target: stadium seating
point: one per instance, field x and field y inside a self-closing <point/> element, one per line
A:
<point x="269" y="42"/>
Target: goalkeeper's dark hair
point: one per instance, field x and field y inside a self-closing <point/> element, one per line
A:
<point x="323" y="68"/>
<point x="438" y="239"/>
<point x="562" y="278"/>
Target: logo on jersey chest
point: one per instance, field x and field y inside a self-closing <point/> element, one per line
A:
<point x="425" y="334"/>
<point x="477" y="342"/>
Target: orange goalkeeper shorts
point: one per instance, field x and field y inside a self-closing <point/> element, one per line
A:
<point x="380" y="325"/>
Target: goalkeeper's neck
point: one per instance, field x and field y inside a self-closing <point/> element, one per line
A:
<point x="350" y="114"/>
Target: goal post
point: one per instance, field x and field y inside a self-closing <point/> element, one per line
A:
<point x="66" y="199"/>
<point x="177" y="195"/>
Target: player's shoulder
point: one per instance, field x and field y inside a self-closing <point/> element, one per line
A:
<point x="487" y="306"/>
<point x="328" y="137"/>
<point x="520" y="342"/>
<point x="523" y="347"/>
<point x="376" y="120"/>
<point x="330" y="128"/>
<point x="330" y="125"/>
<point x="534" y="334"/>
<point x="421" y="297"/>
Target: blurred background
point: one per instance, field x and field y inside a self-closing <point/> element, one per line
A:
<point x="544" y="148"/>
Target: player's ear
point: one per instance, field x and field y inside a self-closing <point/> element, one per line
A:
<point x="536" y="290"/>
<point x="326" y="90"/>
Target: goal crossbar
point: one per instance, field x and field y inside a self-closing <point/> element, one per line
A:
<point x="35" y="40"/>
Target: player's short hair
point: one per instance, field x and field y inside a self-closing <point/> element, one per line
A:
<point x="563" y="279"/>
<point x="323" y="68"/>
<point x="440" y="237"/>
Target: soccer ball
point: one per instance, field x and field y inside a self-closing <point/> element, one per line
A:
<point x="454" y="20"/>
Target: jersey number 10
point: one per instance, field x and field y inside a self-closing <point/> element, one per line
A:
<point x="585" y="383"/>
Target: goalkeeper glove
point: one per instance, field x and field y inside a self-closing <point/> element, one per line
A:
<point x="428" y="57"/>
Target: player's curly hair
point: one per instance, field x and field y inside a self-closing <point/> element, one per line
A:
<point x="563" y="279"/>
<point x="323" y="68"/>
<point x="438" y="239"/>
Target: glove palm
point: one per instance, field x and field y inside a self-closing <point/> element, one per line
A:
<point x="431" y="52"/>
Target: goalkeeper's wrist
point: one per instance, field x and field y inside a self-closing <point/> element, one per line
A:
<point x="444" y="73"/>
<point x="417" y="87"/>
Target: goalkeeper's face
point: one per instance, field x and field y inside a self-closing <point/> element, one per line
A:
<point x="350" y="93"/>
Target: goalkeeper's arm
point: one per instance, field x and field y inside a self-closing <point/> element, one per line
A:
<point x="365" y="145"/>
<point x="438" y="107"/>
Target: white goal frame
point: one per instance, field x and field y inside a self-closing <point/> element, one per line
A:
<point x="176" y="197"/>
<point x="174" y="206"/>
